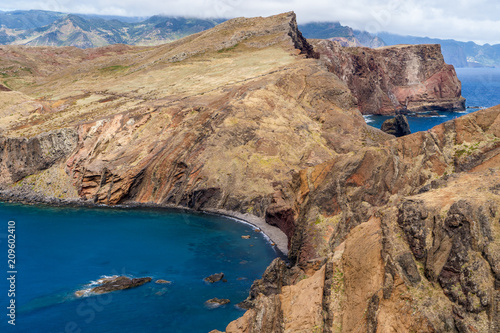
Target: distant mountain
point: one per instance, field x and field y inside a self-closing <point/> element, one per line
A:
<point x="459" y="54"/>
<point x="28" y="19"/>
<point x="38" y="27"/>
<point x="85" y="31"/>
<point x="344" y="34"/>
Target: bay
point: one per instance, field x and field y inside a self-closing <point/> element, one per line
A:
<point x="61" y="250"/>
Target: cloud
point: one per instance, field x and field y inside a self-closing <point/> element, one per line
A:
<point x="475" y="20"/>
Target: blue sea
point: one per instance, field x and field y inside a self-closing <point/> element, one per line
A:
<point x="480" y="87"/>
<point x="61" y="250"/>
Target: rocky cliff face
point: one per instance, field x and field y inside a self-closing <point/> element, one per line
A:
<point x="403" y="237"/>
<point x="220" y="119"/>
<point x="382" y="232"/>
<point x="413" y="77"/>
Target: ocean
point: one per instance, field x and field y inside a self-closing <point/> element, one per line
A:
<point x="61" y="250"/>
<point x="480" y="87"/>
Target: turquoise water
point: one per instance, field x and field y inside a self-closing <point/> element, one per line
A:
<point x="480" y="87"/>
<point x="60" y="250"/>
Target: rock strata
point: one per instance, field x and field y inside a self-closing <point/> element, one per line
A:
<point x="383" y="232"/>
<point x="410" y="77"/>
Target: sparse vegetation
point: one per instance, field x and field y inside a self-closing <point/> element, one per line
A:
<point x="114" y="69"/>
<point x="227" y="49"/>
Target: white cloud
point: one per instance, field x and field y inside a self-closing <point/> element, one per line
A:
<point x="475" y="20"/>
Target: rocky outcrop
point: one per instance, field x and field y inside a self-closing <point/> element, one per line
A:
<point x="397" y="126"/>
<point x="216" y="302"/>
<point x="406" y="242"/>
<point x="387" y="79"/>
<point x="382" y="231"/>
<point x="21" y="157"/>
<point x="114" y="283"/>
<point x="214" y="278"/>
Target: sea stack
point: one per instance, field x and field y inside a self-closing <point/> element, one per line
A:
<point x="397" y="126"/>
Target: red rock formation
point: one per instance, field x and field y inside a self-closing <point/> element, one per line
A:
<point x="395" y="77"/>
<point x="383" y="232"/>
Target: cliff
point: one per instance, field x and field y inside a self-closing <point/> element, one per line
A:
<point x="412" y="77"/>
<point x="402" y="238"/>
<point x="382" y="232"/>
<point x="220" y="119"/>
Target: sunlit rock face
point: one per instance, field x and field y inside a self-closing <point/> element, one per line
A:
<point x="391" y="78"/>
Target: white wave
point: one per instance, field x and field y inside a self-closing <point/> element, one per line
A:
<point x="368" y="118"/>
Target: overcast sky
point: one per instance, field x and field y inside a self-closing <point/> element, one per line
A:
<point x="476" y="20"/>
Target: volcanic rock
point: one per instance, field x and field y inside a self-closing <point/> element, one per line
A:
<point x="410" y="77"/>
<point x="397" y="126"/>
<point x="216" y="302"/>
<point x="383" y="232"/>
<point x="114" y="283"/>
<point x="214" y="277"/>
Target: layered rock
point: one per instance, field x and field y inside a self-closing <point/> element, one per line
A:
<point x="387" y="79"/>
<point x="244" y="92"/>
<point x="406" y="237"/>
<point x="244" y="118"/>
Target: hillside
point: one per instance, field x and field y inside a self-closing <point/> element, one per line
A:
<point x="251" y="119"/>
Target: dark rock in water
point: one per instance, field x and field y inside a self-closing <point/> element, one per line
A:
<point x="112" y="284"/>
<point x="161" y="281"/>
<point x="215" y="302"/>
<point x="397" y="126"/>
<point x="214" y="277"/>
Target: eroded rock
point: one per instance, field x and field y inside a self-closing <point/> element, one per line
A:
<point x="397" y="126"/>
<point x="114" y="283"/>
<point x="216" y="302"/>
<point x="214" y="278"/>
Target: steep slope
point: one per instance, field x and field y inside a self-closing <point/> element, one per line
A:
<point x="219" y="119"/>
<point x="401" y="238"/>
<point x="244" y="117"/>
<point x="387" y="79"/>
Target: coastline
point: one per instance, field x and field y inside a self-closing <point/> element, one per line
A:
<point x="273" y="234"/>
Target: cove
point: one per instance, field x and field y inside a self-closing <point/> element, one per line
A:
<point x="60" y="250"/>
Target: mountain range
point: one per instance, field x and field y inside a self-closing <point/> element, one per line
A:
<point x="36" y="28"/>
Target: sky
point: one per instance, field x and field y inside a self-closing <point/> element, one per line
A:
<point x="464" y="20"/>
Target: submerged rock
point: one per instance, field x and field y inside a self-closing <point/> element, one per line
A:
<point x="161" y="281"/>
<point x="397" y="126"/>
<point x="214" y="277"/>
<point x="113" y="283"/>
